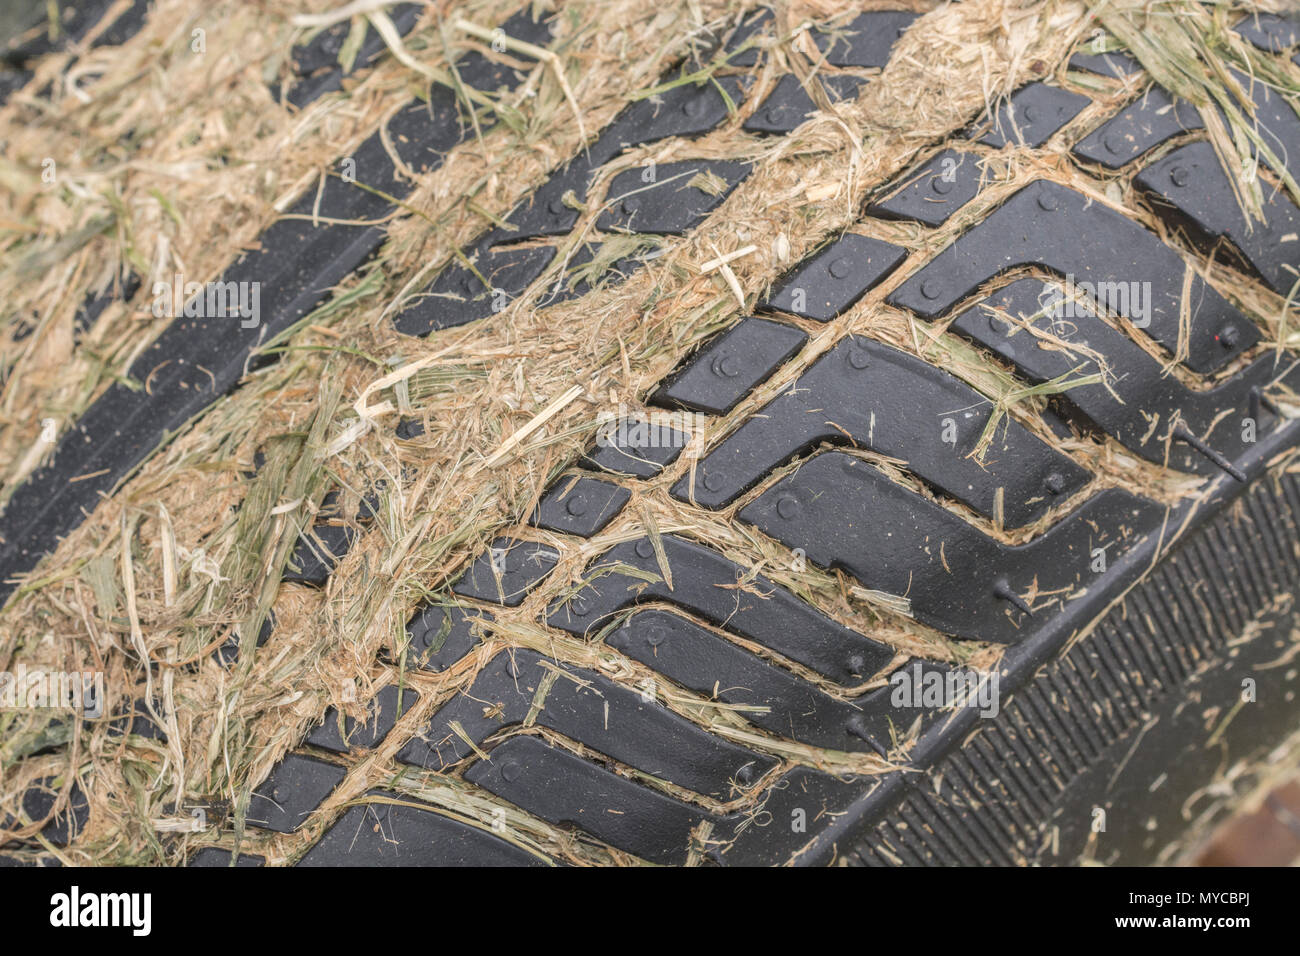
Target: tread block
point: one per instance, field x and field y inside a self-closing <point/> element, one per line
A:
<point x="215" y="856"/>
<point x="337" y="198"/>
<point x="846" y="514"/>
<point x="669" y="204"/>
<point x="789" y="103"/>
<point x="545" y="212"/>
<point x="1140" y="127"/>
<point x="1031" y="116"/>
<point x="566" y="790"/>
<point x="314" y="67"/>
<point x="78" y="19"/>
<point x="729" y="367"/>
<point x="1113" y="63"/>
<point x="683" y="111"/>
<point x="1269" y="31"/>
<point x="1150" y="121"/>
<point x="1056" y="228"/>
<point x="886" y="400"/>
<point x="137" y="721"/>
<point x="1138" y="392"/>
<point x="485" y="74"/>
<point x="313" y="562"/>
<point x="409" y="429"/>
<point x="866" y="41"/>
<point x="1196" y="192"/>
<point x="228" y="653"/>
<point x="688" y="110"/>
<point x="458" y="296"/>
<point x="705" y="583"/>
<point x="64" y="827"/>
<point x="780" y="833"/>
<point x="637" y="448"/>
<point x="1277" y="123"/>
<point x="507" y="571"/>
<point x="316" y="555"/>
<point x="627" y="725"/>
<point x="441" y="635"/>
<point x="832" y="280"/>
<point x="295" y="787"/>
<point x="700" y="660"/>
<point x="121" y="289"/>
<point x="423" y="131"/>
<point x="580" y="506"/>
<point x="382" y="711"/>
<point x="381" y="833"/>
<point x="579" y="276"/>
<point x="935" y="191"/>
<point x="753" y="22"/>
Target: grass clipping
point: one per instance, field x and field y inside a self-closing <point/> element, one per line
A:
<point x="1190" y="49"/>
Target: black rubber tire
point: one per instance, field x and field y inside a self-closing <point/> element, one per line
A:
<point x="1149" y="643"/>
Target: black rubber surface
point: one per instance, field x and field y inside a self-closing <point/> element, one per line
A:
<point x="886" y="400"/>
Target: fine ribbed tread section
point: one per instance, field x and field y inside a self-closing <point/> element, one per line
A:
<point x="997" y="799"/>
